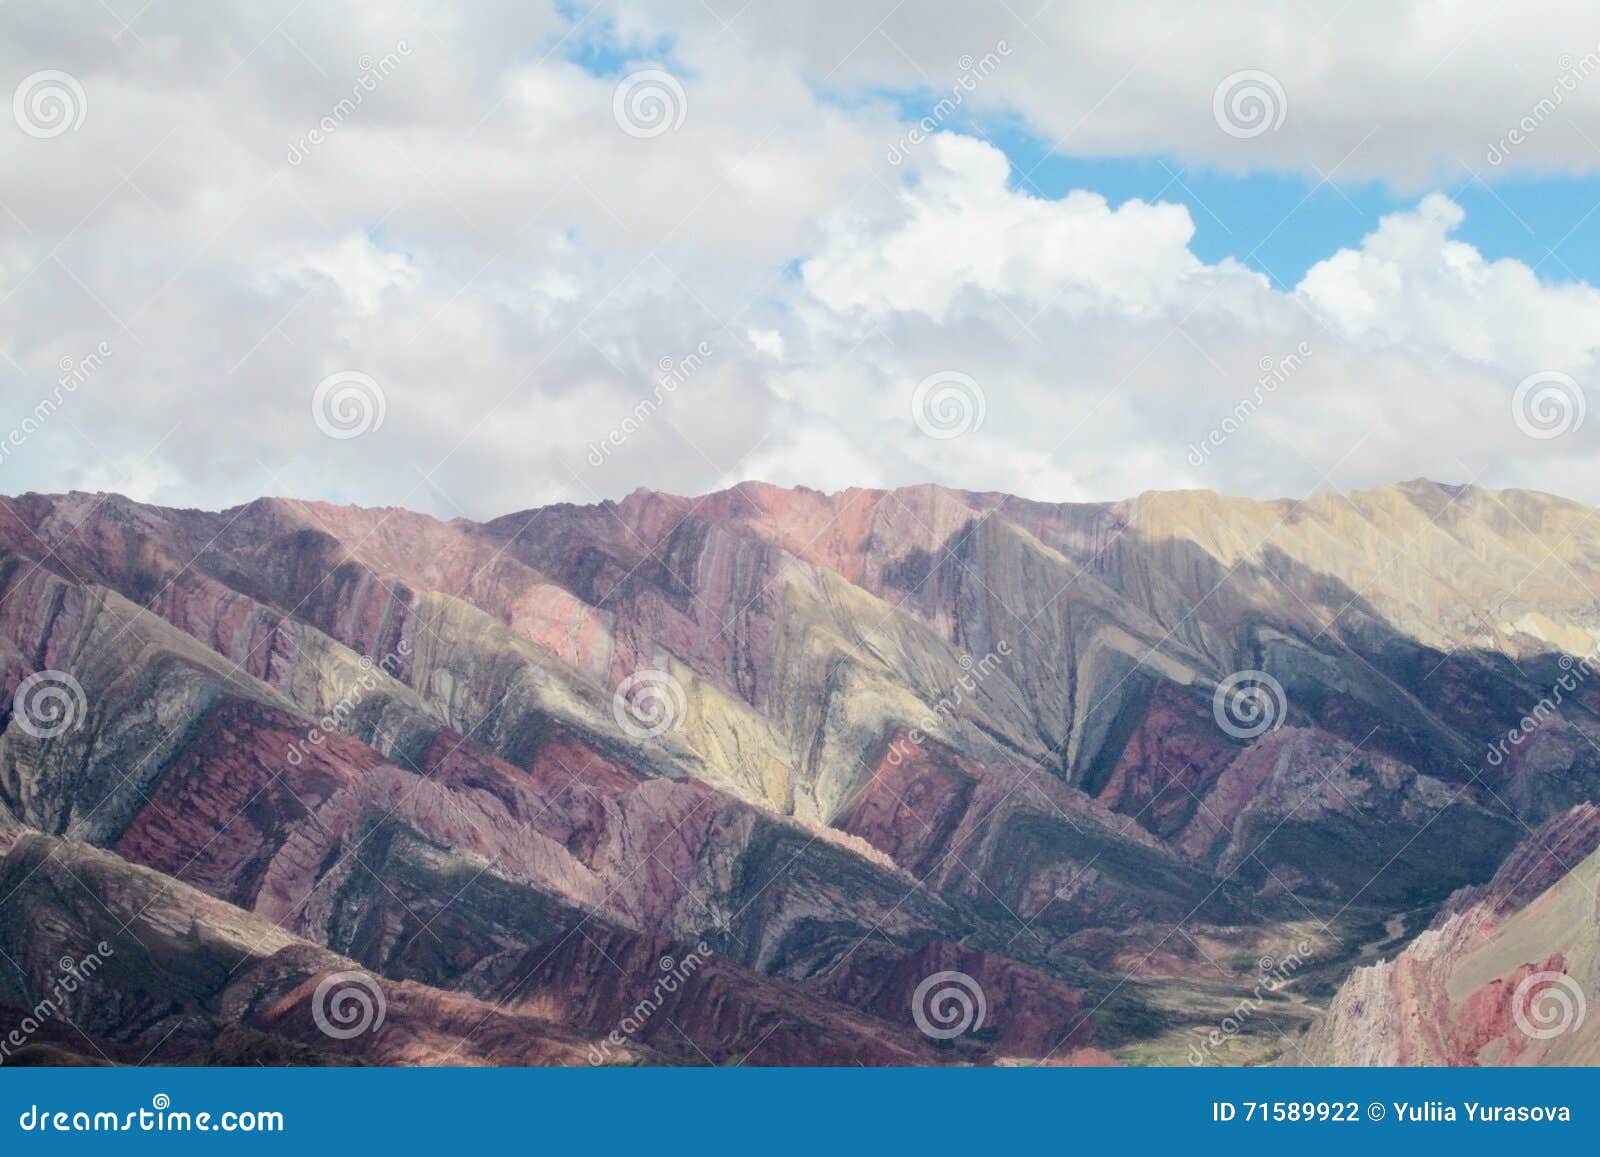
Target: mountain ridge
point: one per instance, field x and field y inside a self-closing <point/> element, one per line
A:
<point x="1419" y="483"/>
<point x="897" y="729"/>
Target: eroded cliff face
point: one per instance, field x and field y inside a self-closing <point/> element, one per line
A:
<point x="1503" y="977"/>
<point x="883" y="734"/>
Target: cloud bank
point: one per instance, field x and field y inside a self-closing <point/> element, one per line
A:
<point x="532" y="280"/>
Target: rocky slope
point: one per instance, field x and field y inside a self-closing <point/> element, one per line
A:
<point x="1094" y="759"/>
<point x="1504" y="976"/>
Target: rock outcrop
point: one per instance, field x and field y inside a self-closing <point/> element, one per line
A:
<point x="1504" y="976"/>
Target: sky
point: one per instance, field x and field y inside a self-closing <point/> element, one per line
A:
<point x="474" y="258"/>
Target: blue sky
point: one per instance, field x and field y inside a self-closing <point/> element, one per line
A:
<point x="1277" y="221"/>
<point x="1282" y="222"/>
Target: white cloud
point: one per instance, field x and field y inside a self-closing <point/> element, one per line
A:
<point x="1411" y="285"/>
<point x="965" y="232"/>
<point x="1102" y="364"/>
<point x="1419" y="92"/>
<point x="511" y="267"/>
<point x="766" y="341"/>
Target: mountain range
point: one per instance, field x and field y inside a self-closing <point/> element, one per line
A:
<point x="773" y="776"/>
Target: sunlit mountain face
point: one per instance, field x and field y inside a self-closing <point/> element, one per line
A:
<point x="777" y="776"/>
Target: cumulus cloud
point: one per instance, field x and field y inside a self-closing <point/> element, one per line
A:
<point x="964" y="232"/>
<point x="555" y="308"/>
<point x="1104" y="366"/>
<point x="1411" y="285"/>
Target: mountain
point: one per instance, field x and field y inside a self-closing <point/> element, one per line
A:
<point x="1503" y="975"/>
<point x="772" y="776"/>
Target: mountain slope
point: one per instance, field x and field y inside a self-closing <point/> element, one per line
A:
<point x="1504" y="976"/>
<point x="838" y="739"/>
